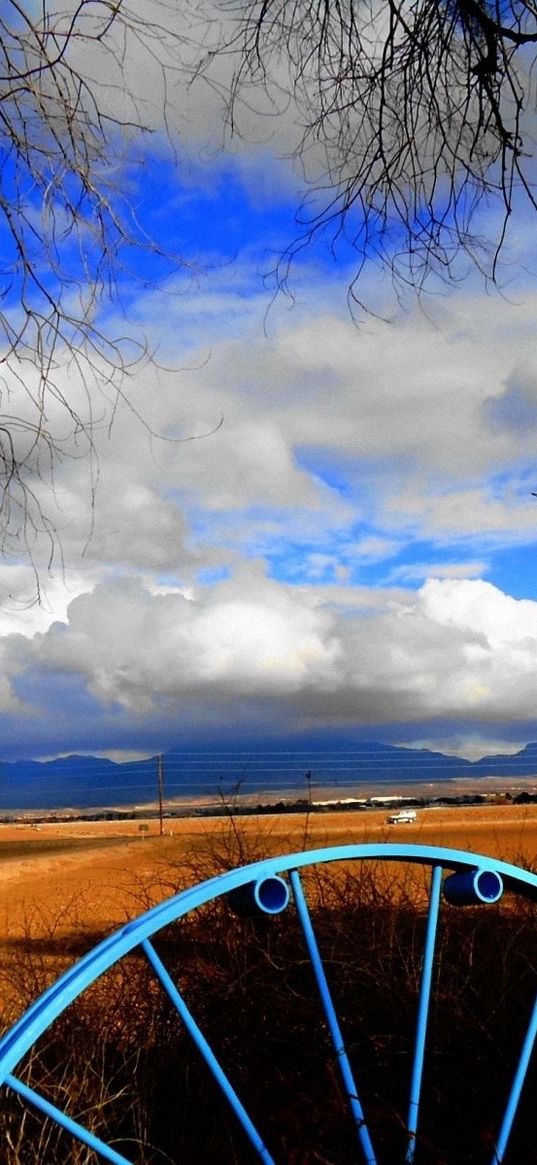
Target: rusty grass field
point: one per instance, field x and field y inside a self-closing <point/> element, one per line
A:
<point x="99" y="873"/>
<point x="63" y="886"/>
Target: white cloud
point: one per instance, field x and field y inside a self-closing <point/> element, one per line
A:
<point x="374" y="548"/>
<point x="401" y="415"/>
<point x="416" y="571"/>
<point x="244" y="636"/>
<point x="481" y="609"/>
<point x="456" y="650"/>
<point x="339" y="445"/>
<point x="471" y="746"/>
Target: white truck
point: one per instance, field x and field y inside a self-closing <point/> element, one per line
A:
<point x="402" y="817"/>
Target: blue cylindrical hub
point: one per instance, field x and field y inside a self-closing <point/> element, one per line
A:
<point x="266" y="895"/>
<point x="473" y="888"/>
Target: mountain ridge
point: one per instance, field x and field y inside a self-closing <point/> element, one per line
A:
<point x="253" y="767"/>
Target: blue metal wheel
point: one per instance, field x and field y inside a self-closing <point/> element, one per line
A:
<point x="266" y="890"/>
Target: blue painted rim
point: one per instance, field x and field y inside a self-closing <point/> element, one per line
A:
<point x="20" y="1038"/>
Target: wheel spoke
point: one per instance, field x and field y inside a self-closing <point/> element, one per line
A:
<point x="423" y="1012"/>
<point x="331" y="1019"/>
<point x="66" y="1122"/>
<point x="206" y="1052"/>
<point x="516" y="1088"/>
<point x="139" y="933"/>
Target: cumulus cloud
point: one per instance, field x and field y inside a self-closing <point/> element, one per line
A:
<point x="241" y="636"/>
<point x="456" y="650"/>
<point x="320" y="440"/>
<point x="397" y="422"/>
<point x="343" y="456"/>
<point x="340" y="447"/>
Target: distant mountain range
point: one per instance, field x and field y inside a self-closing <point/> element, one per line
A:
<point x="88" y="782"/>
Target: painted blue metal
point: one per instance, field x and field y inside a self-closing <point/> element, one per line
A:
<point x="51" y="1004"/>
<point x="516" y="1088"/>
<point x="266" y="895"/>
<point x="41" y="1014"/>
<point x="473" y="888"/>
<point x="423" y="1012"/>
<point x="206" y="1052"/>
<point x="66" y="1122"/>
<point x="332" y="1020"/>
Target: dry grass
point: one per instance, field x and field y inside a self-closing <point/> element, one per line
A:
<point x="120" y="1060"/>
<point x="98" y="862"/>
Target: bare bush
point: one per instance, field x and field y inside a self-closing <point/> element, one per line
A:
<point x="120" y="1060"/>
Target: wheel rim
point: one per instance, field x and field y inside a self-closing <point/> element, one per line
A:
<point x="267" y="885"/>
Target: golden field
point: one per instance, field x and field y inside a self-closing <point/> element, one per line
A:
<point x="64" y="885"/>
<point x="97" y="874"/>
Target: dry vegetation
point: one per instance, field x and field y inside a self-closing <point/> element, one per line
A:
<point x="120" y="1060"/>
<point x="100" y="865"/>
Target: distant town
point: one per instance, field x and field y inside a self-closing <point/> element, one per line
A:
<point x="238" y="806"/>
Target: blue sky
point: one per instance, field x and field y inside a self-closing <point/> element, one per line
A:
<point x="351" y="542"/>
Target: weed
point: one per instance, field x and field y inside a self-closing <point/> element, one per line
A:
<point x="120" y="1061"/>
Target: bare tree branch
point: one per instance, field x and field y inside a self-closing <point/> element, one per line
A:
<point x="415" y="114"/>
<point x="66" y="231"/>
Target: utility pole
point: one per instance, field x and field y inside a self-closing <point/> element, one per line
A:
<point x="160" y="786"/>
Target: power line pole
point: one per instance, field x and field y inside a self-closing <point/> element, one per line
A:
<point x="160" y="786"/>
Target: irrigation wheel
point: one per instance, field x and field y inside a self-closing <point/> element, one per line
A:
<point x="281" y="886"/>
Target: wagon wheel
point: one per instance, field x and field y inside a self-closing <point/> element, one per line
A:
<point x="268" y="887"/>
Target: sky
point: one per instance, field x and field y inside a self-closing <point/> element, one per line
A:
<point x="303" y="520"/>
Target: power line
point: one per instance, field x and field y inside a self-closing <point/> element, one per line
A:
<point x="160" y="790"/>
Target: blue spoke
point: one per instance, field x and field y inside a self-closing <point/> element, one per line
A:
<point x="71" y="1126"/>
<point x="206" y="1052"/>
<point x="331" y="1019"/>
<point x="516" y="1088"/>
<point x="16" y="1042"/>
<point x="52" y="1003"/>
<point x="423" y="1012"/>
